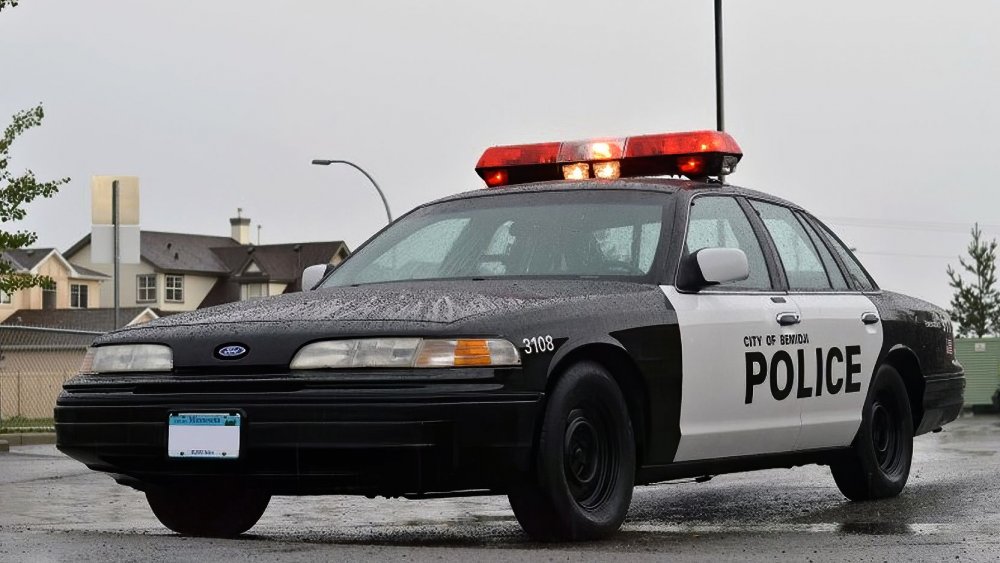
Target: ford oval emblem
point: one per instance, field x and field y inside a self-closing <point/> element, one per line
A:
<point x="231" y="351"/>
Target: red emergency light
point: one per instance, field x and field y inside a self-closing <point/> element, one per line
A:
<point x="695" y="154"/>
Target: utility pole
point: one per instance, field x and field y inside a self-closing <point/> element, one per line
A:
<point x="117" y="252"/>
<point x="720" y="121"/>
<point x="720" y="118"/>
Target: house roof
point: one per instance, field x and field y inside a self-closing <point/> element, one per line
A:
<point x="97" y="320"/>
<point x="26" y="258"/>
<point x="277" y="262"/>
<point x="177" y="252"/>
<point x="281" y="263"/>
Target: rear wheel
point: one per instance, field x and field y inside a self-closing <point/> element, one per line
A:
<point x="217" y="511"/>
<point x="585" y="463"/>
<point x="879" y="465"/>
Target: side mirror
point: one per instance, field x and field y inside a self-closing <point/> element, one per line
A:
<point x="712" y="266"/>
<point x="312" y="275"/>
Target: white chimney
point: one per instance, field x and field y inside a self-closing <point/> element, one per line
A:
<point x="241" y="227"/>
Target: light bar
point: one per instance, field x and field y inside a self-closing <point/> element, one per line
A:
<point x="695" y="154"/>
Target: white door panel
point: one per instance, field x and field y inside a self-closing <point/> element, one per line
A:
<point x="719" y="417"/>
<point x="840" y="373"/>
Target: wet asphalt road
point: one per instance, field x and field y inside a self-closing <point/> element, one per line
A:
<point x="54" y="509"/>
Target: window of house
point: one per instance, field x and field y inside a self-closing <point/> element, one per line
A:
<point x="174" y="289"/>
<point x="145" y="285"/>
<point x="49" y="300"/>
<point x="4" y="298"/>
<point x="78" y="294"/>
<point x="253" y="291"/>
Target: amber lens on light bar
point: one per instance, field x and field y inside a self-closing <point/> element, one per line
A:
<point x="609" y="170"/>
<point x="577" y="171"/>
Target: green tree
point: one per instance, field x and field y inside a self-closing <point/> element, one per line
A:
<point x="976" y="305"/>
<point x="18" y="191"/>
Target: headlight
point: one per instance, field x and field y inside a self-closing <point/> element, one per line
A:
<point x="405" y="353"/>
<point x="128" y="358"/>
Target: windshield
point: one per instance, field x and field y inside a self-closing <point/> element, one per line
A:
<point x="549" y="234"/>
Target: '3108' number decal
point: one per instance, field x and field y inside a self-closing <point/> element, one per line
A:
<point x="539" y="344"/>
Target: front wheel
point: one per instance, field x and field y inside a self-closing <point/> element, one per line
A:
<point x="879" y="464"/>
<point x="585" y="462"/>
<point x="215" y="512"/>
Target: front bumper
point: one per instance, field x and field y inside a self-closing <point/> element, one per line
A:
<point x="389" y="441"/>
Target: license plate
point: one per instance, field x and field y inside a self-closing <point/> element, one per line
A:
<point x="203" y="435"/>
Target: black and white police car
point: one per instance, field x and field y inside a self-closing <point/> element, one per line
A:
<point x="576" y="329"/>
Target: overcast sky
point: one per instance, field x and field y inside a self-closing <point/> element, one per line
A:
<point x="880" y="117"/>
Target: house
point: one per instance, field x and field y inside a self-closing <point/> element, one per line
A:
<point x="183" y="272"/>
<point x="74" y="287"/>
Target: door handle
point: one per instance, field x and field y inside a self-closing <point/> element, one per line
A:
<point x="869" y="318"/>
<point x="785" y="319"/>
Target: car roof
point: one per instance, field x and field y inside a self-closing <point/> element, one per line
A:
<point x="690" y="188"/>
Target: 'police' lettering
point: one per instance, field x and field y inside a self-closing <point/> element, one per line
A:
<point x="834" y="354"/>
<point x="853" y="369"/>
<point x="781" y="357"/>
<point x="755" y="376"/>
<point x="783" y="373"/>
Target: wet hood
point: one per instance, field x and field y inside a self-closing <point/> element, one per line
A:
<point x="274" y="328"/>
<point x="424" y="302"/>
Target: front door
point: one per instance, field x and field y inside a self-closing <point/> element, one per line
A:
<point x="736" y="380"/>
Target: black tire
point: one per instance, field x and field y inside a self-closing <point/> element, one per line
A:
<point x="585" y="461"/>
<point x="880" y="462"/>
<point x="203" y="511"/>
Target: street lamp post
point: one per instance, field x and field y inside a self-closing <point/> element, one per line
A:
<point x="385" y="202"/>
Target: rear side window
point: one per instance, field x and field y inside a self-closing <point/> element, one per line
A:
<point x="859" y="278"/>
<point x="719" y="222"/>
<point x="803" y="267"/>
<point x="836" y="277"/>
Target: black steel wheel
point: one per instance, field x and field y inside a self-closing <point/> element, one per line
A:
<point x="585" y="461"/>
<point x="219" y="511"/>
<point x="879" y="464"/>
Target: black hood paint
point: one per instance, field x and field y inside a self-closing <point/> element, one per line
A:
<point x="414" y="302"/>
<point x="273" y="329"/>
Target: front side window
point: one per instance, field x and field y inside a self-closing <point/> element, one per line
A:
<point x="78" y="294"/>
<point x="4" y="298"/>
<point x="719" y="222"/>
<point x="145" y="288"/>
<point x="803" y="267"/>
<point x="594" y="234"/>
<point x="174" y="289"/>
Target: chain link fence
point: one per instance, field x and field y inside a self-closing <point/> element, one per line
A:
<point x="34" y="364"/>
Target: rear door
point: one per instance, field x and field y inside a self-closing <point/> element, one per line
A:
<point x="835" y="344"/>
<point x="728" y="406"/>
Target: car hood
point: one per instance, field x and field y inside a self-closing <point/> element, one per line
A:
<point x="418" y="302"/>
<point x="273" y="329"/>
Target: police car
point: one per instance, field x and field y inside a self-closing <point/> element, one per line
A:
<point x="589" y="322"/>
